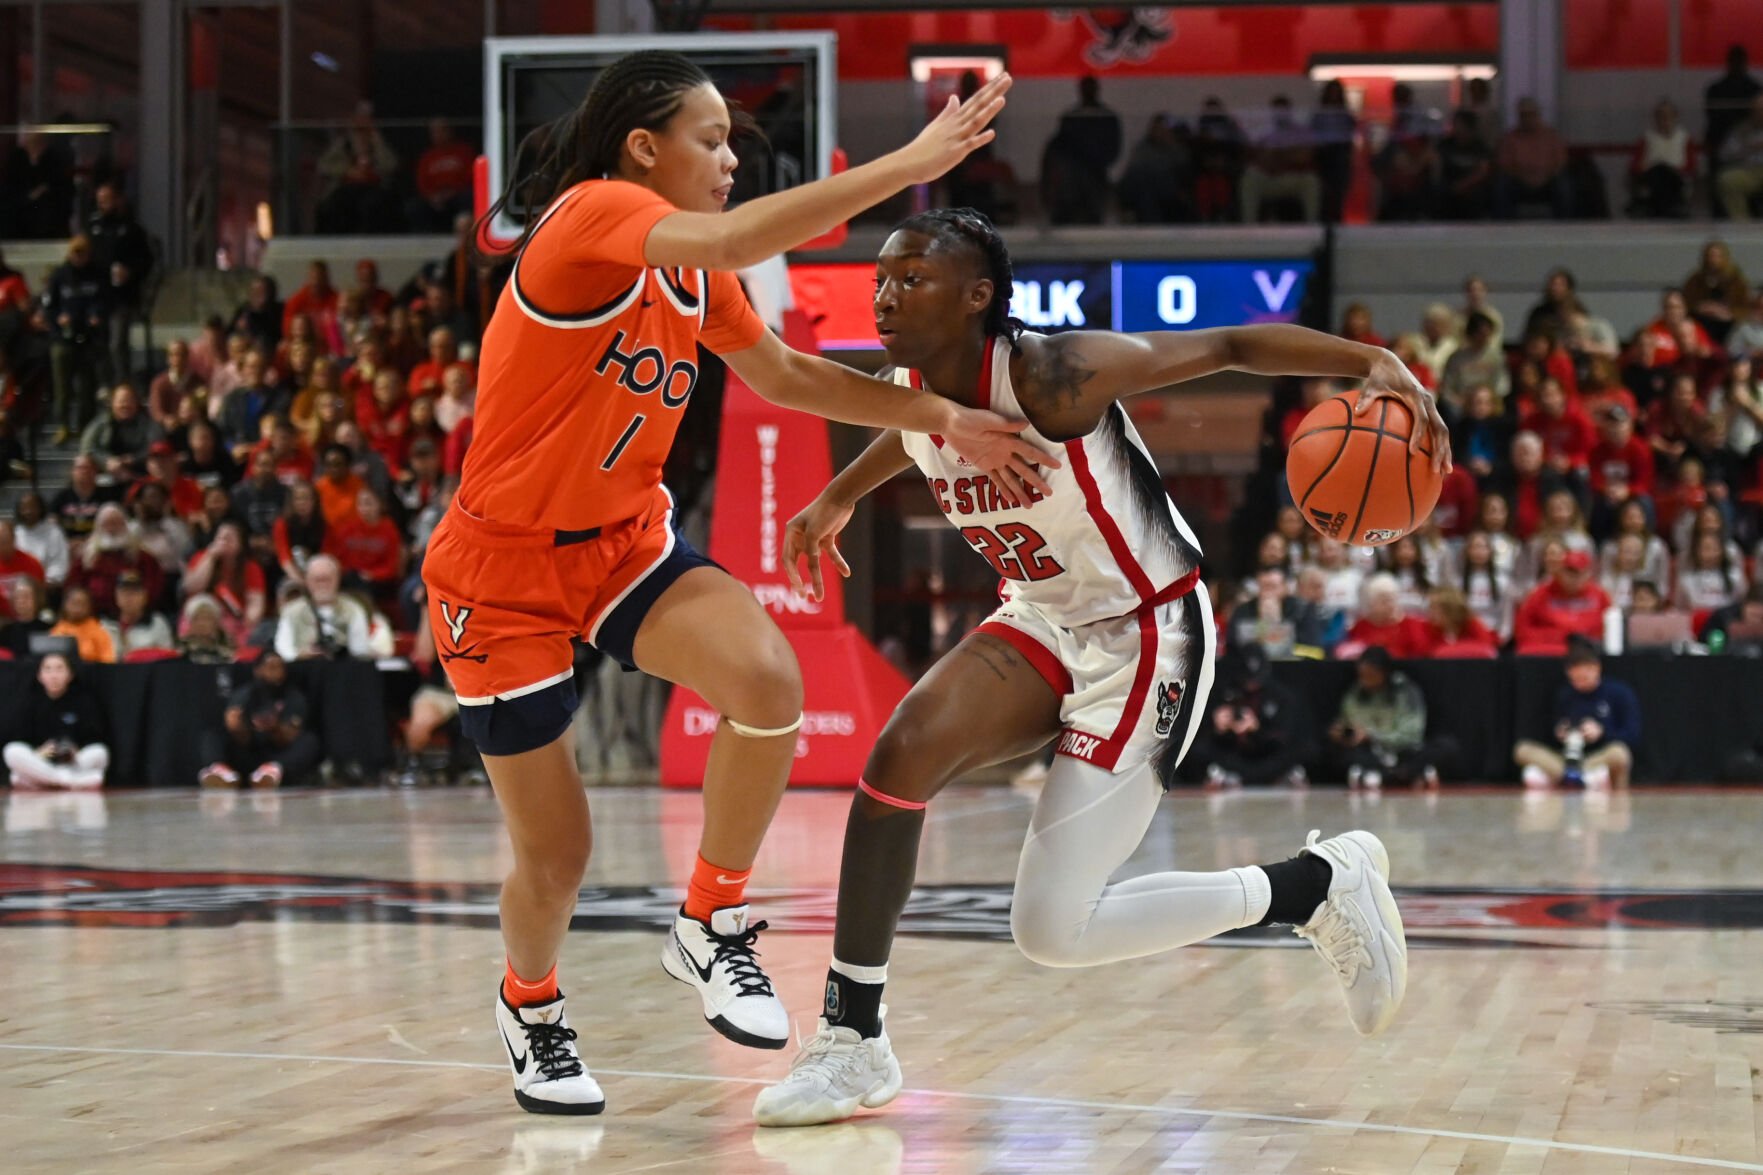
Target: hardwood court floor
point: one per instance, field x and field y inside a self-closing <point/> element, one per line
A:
<point x="302" y="982"/>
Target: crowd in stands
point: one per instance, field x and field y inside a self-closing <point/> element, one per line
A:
<point x="1594" y="478"/>
<point x="1424" y="164"/>
<point x="270" y="488"/>
<point x="1606" y="492"/>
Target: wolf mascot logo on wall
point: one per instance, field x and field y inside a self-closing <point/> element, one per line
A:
<point x="1122" y="34"/>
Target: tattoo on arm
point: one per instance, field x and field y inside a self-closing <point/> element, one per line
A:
<point x="1056" y="375"/>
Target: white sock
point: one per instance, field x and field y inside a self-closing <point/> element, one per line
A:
<point x="858" y="974"/>
<point x="1257" y="893"/>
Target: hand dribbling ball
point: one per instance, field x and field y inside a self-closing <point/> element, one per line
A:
<point x="1353" y="477"/>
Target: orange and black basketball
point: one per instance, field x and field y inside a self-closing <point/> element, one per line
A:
<point x="1353" y="476"/>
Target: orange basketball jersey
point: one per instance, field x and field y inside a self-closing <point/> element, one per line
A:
<point x="587" y="364"/>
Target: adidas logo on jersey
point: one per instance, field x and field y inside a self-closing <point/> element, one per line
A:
<point x="1328" y="524"/>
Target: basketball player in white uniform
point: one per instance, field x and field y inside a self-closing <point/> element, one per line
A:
<point x="1104" y="641"/>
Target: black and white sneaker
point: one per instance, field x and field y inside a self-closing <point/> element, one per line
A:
<point x="549" y="1077"/>
<point x="717" y="959"/>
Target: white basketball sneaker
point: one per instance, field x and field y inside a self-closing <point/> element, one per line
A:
<point x="1358" y="930"/>
<point x="836" y="1072"/>
<point x="717" y="959"/>
<point x="549" y="1077"/>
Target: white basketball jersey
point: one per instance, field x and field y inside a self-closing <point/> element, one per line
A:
<point x="1104" y="542"/>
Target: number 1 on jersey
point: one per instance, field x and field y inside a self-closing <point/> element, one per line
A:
<point x="618" y="449"/>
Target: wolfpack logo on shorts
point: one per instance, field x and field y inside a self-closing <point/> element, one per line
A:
<point x="1168" y="706"/>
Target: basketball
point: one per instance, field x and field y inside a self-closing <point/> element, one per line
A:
<point x="1353" y="476"/>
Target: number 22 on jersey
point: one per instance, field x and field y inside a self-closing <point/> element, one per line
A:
<point x="1014" y="549"/>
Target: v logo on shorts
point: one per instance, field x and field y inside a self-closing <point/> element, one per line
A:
<point x="455" y="622"/>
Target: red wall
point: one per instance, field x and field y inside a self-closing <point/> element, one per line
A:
<point x="1274" y="39"/>
<point x="1278" y="39"/>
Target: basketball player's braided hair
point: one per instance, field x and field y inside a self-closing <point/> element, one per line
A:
<point x="642" y="90"/>
<point x="972" y="229"/>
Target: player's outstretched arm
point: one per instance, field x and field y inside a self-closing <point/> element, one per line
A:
<point x="809" y="383"/>
<point x="815" y="531"/>
<point x="779" y="222"/>
<point x="1071" y="379"/>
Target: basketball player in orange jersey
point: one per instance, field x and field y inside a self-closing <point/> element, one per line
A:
<point x="561" y="527"/>
<point x="1104" y="641"/>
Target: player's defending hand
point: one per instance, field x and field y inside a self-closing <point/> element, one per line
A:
<point x="813" y="533"/>
<point x="1390" y="377"/>
<point x="992" y="444"/>
<point x="958" y="130"/>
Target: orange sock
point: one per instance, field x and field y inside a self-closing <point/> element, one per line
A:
<point x="520" y="993"/>
<point x="711" y="889"/>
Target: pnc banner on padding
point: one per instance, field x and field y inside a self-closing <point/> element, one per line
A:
<point x="771" y="462"/>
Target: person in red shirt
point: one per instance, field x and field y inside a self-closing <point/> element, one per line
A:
<point x="1452" y="630"/>
<point x="183" y="495"/>
<point x="376" y="301"/>
<point x="1405" y="351"/>
<point x="458" y="443"/>
<point x="1673" y="337"/>
<point x="369" y="547"/>
<point x="226" y="571"/>
<point x="14" y="564"/>
<point x="15" y="293"/>
<point x="1527" y="483"/>
<point x="288" y="450"/>
<point x="1568" y="434"/>
<point x="318" y="300"/>
<point x="1382" y="621"/>
<point x="386" y="424"/>
<point x="356" y="383"/>
<point x="1675" y="423"/>
<point x="428" y="377"/>
<point x="1311" y="392"/>
<point x="1621" y="464"/>
<point x="1356" y="325"/>
<point x="1541" y="350"/>
<point x="443" y="178"/>
<point x="1569" y="603"/>
<point x="1459" y="498"/>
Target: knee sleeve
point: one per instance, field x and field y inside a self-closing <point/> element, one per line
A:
<point x="745" y="731"/>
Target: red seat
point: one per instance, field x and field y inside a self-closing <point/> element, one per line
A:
<point x="145" y="656"/>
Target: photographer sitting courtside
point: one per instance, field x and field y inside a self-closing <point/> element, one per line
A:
<point x="1381" y="731"/>
<point x="266" y="736"/>
<point x="1597" y="724"/>
<point x="1258" y="731"/>
<point x="64" y="734"/>
<point x="323" y="622"/>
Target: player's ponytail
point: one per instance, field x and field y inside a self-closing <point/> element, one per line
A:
<point x="641" y="90"/>
<point x="974" y="230"/>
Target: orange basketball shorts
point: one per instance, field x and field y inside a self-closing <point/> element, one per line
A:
<point x="506" y="605"/>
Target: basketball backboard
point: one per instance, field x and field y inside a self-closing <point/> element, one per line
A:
<point x="785" y="80"/>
